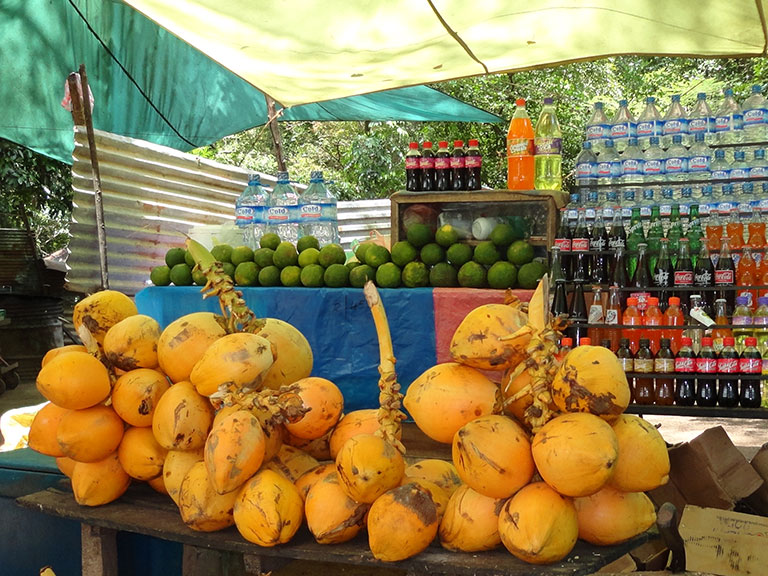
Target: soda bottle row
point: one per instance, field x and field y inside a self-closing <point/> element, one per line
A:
<point x="534" y="156"/>
<point x="731" y="123"/>
<point x="285" y="212"/>
<point x="708" y="378"/>
<point x="427" y="170"/>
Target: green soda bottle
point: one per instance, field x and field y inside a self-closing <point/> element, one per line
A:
<point x="675" y="231"/>
<point x="635" y="237"/>
<point x="655" y="234"/>
<point x="694" y="233"/>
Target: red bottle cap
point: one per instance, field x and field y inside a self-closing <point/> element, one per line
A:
<point x="474" y="143"/>
<point x="427" y="144"/>
<point x="653" y="301"/>
<point x="706" y="341"/>
<point x="413" y="145"/>
<point x="631" y="301"/>
<point x="520" y="102"/>
<point x="566" y="342"/>
<point x="674" y="301"/>
<point x="728" y="341"/>
<point x="586" y="341"/>
<point x="442" y="144"/>
<point x="751" y="341"/>
<point x="686" y="341"/>
<point x="458" y="143"/>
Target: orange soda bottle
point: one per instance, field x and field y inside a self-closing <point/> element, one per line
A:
<point x="719" y="333"/>
<point x="653" y="317"/>
<point x="756" y="240"/>
<point x="714" y="232"/>
<point x="746" y="275"/>
<point x="520" y="159"/>
<point x="734" y="229"/>
<point x="673" y="316"/>
<point x="632" y="317"/>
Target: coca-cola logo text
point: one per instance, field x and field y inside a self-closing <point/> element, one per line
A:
<point x="728" y="365"/>
<point x="683" y="278"/>
<point x="703" y="278"/>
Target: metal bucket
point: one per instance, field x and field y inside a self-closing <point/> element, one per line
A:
<point x="34" y="329"/>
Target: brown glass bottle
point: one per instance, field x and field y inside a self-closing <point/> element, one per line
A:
<point x="685" y="368"/>
<point x="664" y="366"/>
<point x="627" y="359"/>
<point x="644" y="361"/>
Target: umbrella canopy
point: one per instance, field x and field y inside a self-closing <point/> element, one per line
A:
<point x="148" y="84"/>
<point x="300" y="51"/>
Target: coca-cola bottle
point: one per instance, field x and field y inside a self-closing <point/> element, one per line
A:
<point x="458" y="166"/>
<point x="412" y="174"/>
<point x="685" y="370"/>
<point x="577" y="314"/>
<point x="706" y="368"/>
<point x="618" y="237"/>
<point x="728" y="379"/>
<point x="641" y="279"/>
<point x="663" y="273"/>
<point x="442" y="167"/>
<point x="619" y="275"/>
<point x="427" y="167"/>
<point x="750" y="366"/>
<point x="563" y="241"/>
<point x="598" y="246"/>
<point x="683" y="275"/>
<point x="725" y="276"/>
<point x="580" y="248"/>
<point x="704" y="278"/>
<point x="560" y="300"/>
<point x="473" y="163"/>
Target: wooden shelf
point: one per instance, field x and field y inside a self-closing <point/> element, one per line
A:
<point x="699" y="411"/>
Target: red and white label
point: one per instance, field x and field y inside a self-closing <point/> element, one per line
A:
<point x="642" y="299"/>
<point x="683" y="278"/>
<point x="724" y="277"/>
<point x="473" y="161"/>
<point x="427" y="162"/>
<point x="564" y="244"/>
<point x="580" y="245"/>
<point x="442" y="163"/>
<point x="706" y="365"/>
<point x="728" y="365"/>
<point x="457" y="162"/>
<point x="750" y="365"/>
<point x="685" y="364"/>
<point x="411" y="163"/>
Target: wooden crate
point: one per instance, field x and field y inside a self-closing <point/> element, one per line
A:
<point x="540" y="208"/>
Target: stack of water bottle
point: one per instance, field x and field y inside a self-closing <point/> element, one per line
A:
<point x="285" y="212"/>
<point x="714" y="160"/>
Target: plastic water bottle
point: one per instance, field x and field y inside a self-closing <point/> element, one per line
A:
<point x="755" y="116"/>
<point x="586" y="169"/>
<point x="250" y="211"/>
<point x="654" y="169"/>
<point x="676" y="164"/>
<point x="608" y="165"/>
<point x="701" y="120"/>
<point x="720" y="171"/>
<point x="699" y="162"/>
<point x="758" y="168"/>
<point x="547" y="142"/>
<point x="317" y="211"/>
<point x="728" y="121"/>
<point x="648" y="123"/>
<point x="675" y="122"/>
<point x="598" y="128"/>
<point x="623" y="126"/>
<point x="283" y="211"/>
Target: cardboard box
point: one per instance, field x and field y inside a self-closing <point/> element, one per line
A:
<point x="758" y="500"/>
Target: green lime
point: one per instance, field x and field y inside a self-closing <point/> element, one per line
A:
<point x="188" y="259"/>
<point x="415" y="275"/>
<point x="377" y="255"/>
<point x="529" y="274"/>
<point x="486" y="253"/>
<point x="446" y="235"/>
<point x="264" y="257"/>
<point x="285" y="255"/>
<point x="160" y="275"/>
<point x="432" y="253"/>
<point x="503" y="235"/>
<point x="175" y="256"/>
<point x="359" y="275"/>
<point x="229" y="269"/>
<point x="290" y="276"/>
<point x="181" y="275"/>
<point x="269" y="240"/>
<point x="388" y="275"/>
<point x="443" y="275"/>
<point x="308" y="256"/>
<point x="312" y="276"/>
<point x="472" y="275"/>
<point x="502" y="275"/>
<point x="520" y="252"/>
<point x="241" y="254"/>
<point x="199" y="277"/>
<point x="336" y="276"/>
<point x="222" y="252"/>
<point x="247" y="274"/>
<point x="307" y="242"/>
<point x="350" y="264"/>
<point x="419" y="235"/>
<point x="331" y="254"/>
<point x="403" y="252"/>
<point x="459" y="254"/>
<point x="269" y="276"/>
<point x="361" y="249"/>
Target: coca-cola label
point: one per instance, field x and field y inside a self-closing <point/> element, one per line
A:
<point x="411" y="163"/>
<point x="703" y="277"/>
<point x="457" y="162"/>
<point x="661" y="277"/>
<point x="547" y="146"/>
<point x="611" y="316"/>
<point x="597" y="243"/>
<point x="519" y="147"/>
<point x="664" y="365"/>
<point x="442" y="163"/>
<point x="683" y="278"/>
<point x="473" y="161"/>
<point x="685" y="364"/>
<point x="580" y="245"/>
<point x="728" y="365"/>
<point x="750" y="365"/>
<point x="616" y="242"/>
<point x="595" y="314"/>
<point x="427" y="163"/>
<point x="706" y="365"/>
<point x="724" y="277"/>
<point x="564" y="244"/>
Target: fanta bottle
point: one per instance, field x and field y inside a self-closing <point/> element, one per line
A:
<point x="756" y="233"/>
<point x="673" y="316"/>
<point x="632" y="317"/>
<point x="714" y="232"/>
<point x="734" y="229"/>
<point x="520" y="160"/>
<point x="652" y="318"/>
<point x="746" y="275"/>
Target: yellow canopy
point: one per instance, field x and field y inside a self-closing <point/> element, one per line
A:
<point x="301" y="51"/>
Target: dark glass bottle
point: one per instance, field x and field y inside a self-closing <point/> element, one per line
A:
<point x="458" y="166"/>
<point x="685" y="370"/>
<point x="663" y="273"/>
<point x="442" y="167"/>
<point x="580" y="248"/>
<point x="412" y="176"/>
<point x="620" y="277"/>
<point x="706" y="368"/>
<point x="750" y="366"/>
<point x="728" y="374"/>
<point x="664" y="366"/>
<point x="560" y="300"/>
<point x="563" y="241"/>
<point x="598" y="246"/>
<point x="704" y="278"/>
<point x="605" y="343"/>
<point x="427" y="167"/>
<point x="627" y="360"/>
<point x="641" y="279"/>
<point x="725" y="275"/>
<point x="577" y="314"/>
<point x="683" y="275"/>
<point x="618" y="237"/>
<point x="644" y="360"/>
<point x="473" y="163"/>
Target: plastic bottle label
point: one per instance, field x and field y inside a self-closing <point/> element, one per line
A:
<point x="698" y="164"/>
<point x="457" y="162"/>
<point x="653" y="167"/>
<point x="411" y="162"/>
<point x="753" y="117"/>
<point x="579" y="245"/>
<point x="604" y="169"/>
<point x="742" y="320"/>
<point x="683" y="278"/>
<point x="598" y="132"/>
<point x="309" y="212"/>
<point x="721" y="174"/>
<point x="642" y="299"/>
<point x="586" y="170"/>
<point x="675" y="126"/>
<point x="728" y="365"/>
<point x="547" y="146"/>
<point x="519" y="147"/>
<point x="473" y="161"/>
<point x="628" y="364"/>
<point x="675" y="165"/>
<point x="750" y="365"/>
<point x="442" y="163"/>
<point x="701" y="125"/>
<point x="706" y="365"/>
<point x="665" y="209"/>
<point x="426" y="162"/>
<point x="564" y="244"/>
<point x="623" y="130"/>
<point x="758" y="172"/>
<point x="243" y="216"/>
<point x="685" y="364"/>
<point x="737" y="173"/>
<point x="664" y="365"/>
<point x="728" y="123"/>
<point x="644" y="365"/>
<point x="278" y="214"/>
<point x="724" y="277"/>
<point x="632" y="166"/>
<point x="648" y="128"/>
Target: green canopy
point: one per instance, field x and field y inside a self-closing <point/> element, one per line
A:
<point x="148" y="84"/>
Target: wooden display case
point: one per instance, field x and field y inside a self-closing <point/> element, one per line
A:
<point x="539" y="209"/>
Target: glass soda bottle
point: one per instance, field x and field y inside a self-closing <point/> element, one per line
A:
<point x="632" y="317"/>
<point x="627" y="361"/>
<point x="728" y="375"/>
<point x="596" y="314"/>
<point x="685" y="370"/>
<point x="560" y="300"/>
<point x="673" y="316"/>
<point x="577" y="314"/>
<point x="635" y="237"/>
<point x="473" y="163"/>
<point x="580" y="248"/>
<point x="663" y="273"/>
<point x="644" y="367"/>
<point x="706" y="368"/>
<point x="683" y="275"/>
<point x="721" y="331"/>
<point x="619" y="275"/>
<point x="520" y="149"/>
<point x="742" y="323"/>
<point x="412" y="175"/>
<point x="598" y="246"/>
<point x="563" y="240"/>
<point x="427" y="168"/>
<point x="641" y="279"/>
<point x="442" y="167"/>
<point x="458" y="166"/>
<point x="547" y="144"/>
<point x="612" y="317"/>
<point x="704" y="278"/>
<point x="725" y="275"/>
<point x="750" y="367"/>
<point x="664" y="366"/>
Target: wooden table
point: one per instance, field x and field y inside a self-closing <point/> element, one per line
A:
<point x="143" y="511"/>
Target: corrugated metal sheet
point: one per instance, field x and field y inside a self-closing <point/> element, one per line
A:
<point x="152" y="197"/>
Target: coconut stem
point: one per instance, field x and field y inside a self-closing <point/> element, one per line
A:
<point x="283" y="405"/>
<point x="390" y="416"/>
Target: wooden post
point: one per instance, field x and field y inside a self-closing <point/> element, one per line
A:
<point x="99" y="551"/>
<point x="275" y="131"/>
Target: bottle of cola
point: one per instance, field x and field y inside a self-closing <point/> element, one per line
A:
<point x="725" y="275"/>
<point x="560" y="300"/>
<point x="685" y="370"/>
<point x="580" y="248"/>
<point x="728" y="370"/>
<point x="598" y="245"/>
<point x="704" y="278"/>
<point x="663" y="273"/>
<point x="641" y="279"/>
<point x="706" y="367"/>
<point x="577" y="314"/>
<point x="750" y="366"/>
<point x="427" y="167"/>
<point x="683" y="276"/>
<point x="563" y="241"/>
<point x="619" y="277"/>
